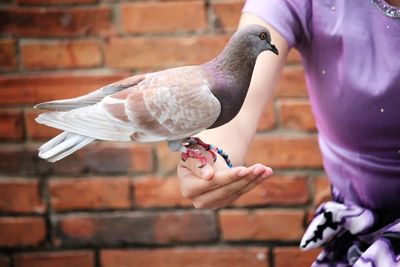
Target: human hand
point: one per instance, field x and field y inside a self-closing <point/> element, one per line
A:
<point x="215" y="185"/>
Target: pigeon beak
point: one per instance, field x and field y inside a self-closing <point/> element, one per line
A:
<point x="274" y="49"/>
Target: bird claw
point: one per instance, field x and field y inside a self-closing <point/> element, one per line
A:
<point x="194" y="153"/>
<point x="207" y="147"/>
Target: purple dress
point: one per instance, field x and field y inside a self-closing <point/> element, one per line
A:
<point x="351" y="55"/>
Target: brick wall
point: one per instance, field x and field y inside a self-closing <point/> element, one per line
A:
<point x="118" y="204"/>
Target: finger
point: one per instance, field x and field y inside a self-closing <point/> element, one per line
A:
<point x="229" y="192"/>
<point x="192" y="186"/>
<point x="230" y="200"/>
<point x="253" y="184"/>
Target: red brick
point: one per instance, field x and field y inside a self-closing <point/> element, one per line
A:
<point x="89" y="193"/>
<point x="322" y="189"/>
<point x="101" y="157"/>
<point x="268" y="120"/>
<point x="228" y="13"/>
<point x="35" y="130"/>
<point x="22" y="231"/>
<point x="38" y="22"/>
<point x="8" y="54"/>
<point x="294" y="257"/>
<point x="14" y="90"/>
<point x="4" y="261"/>
<point x="135" y="228"/>
<point x="277" y="190"/>
<point x="280" y="225"/>
<point x="286" y="152"/>
<point x="143" y="17"/>
<point x="162" y="52"/>
<point x="292" y="83"/>
<point x="158" y="192"/>
<point x="186" y="257"/>
<point x="294" y="57"/>
<point x="11" y="126"/>
<point x="61" y="54"/>
<point x="167" y="160"/>
<point x="297" y="115"/>
<point x="54" y="2"/>
<point x="55" y="259"/>
<point x="20" y="195"/>
<point x="310" y="215"/>
<point x="108" y="157"/>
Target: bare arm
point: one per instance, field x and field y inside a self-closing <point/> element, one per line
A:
<point x="215" y="185"/>
<point x="235" y="137"/>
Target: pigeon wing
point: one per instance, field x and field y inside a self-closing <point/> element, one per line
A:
<point x="166" y="105"/>
<point x="91" y="98"/>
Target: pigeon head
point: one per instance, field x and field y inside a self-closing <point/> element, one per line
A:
<point x="255" y="37"/>
<point x="239" y="56"/>
<point x="230" y="72"/>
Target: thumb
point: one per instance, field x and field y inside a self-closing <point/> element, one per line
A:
<point x="207" y="172"/>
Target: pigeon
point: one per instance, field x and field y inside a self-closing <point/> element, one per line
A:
<point x="170" y="105"/>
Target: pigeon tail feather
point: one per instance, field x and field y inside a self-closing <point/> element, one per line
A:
<point x="63" y="145"/>
<point x="64" y="105"/>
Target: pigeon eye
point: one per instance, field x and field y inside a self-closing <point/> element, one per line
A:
<point x="262" y="36"/>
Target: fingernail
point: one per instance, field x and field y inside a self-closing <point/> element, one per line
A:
<point x="265" y="175"/>
<point x="243" y="172"/>
<point x="257" y="171"/>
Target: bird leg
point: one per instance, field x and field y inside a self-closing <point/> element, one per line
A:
<point x="195" y="153"/>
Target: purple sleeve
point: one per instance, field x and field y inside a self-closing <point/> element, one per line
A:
<point x="289" y="17"/>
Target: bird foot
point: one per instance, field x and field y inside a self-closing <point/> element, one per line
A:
<point x="195" y="153"/>
<point x="198" y="141"/>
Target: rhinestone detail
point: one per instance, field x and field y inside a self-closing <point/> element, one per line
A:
<point x="388" y="10"/>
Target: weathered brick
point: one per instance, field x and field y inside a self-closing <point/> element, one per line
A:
<point x="54" y="2"/>
<point x="228" y="13"/>
<point x="20" y="195"/>
<point x="286" y="152"/>
<point x="8" y="54"/>
<point x="297" y="114"/>
<point x="143" y="17"/>
<point x="60" y="54"/>
<point x="282" y="225"/>
<point x="158" y="192"/>
<point x="292" y="83"/>
<point x="11" y="126"/>
<point x="102" y="157"/>
<point x="277" y="190"/>
<point x="135" y="228"/>
<point x="162" y="52"/>
<point x="268" y="119"/>
<point x="15" y="90"/>
<point x="32" y="22"/>
<point x="322" y="189"/>
<point x="21" y="231"/>
<point x="4" y="261"/>
<point x="35" y="130"/>
<point x="186" y="257"/>
<point x="89" y="193"/>
<point x="55" y="259"/>
<point x="294" y="257"/>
